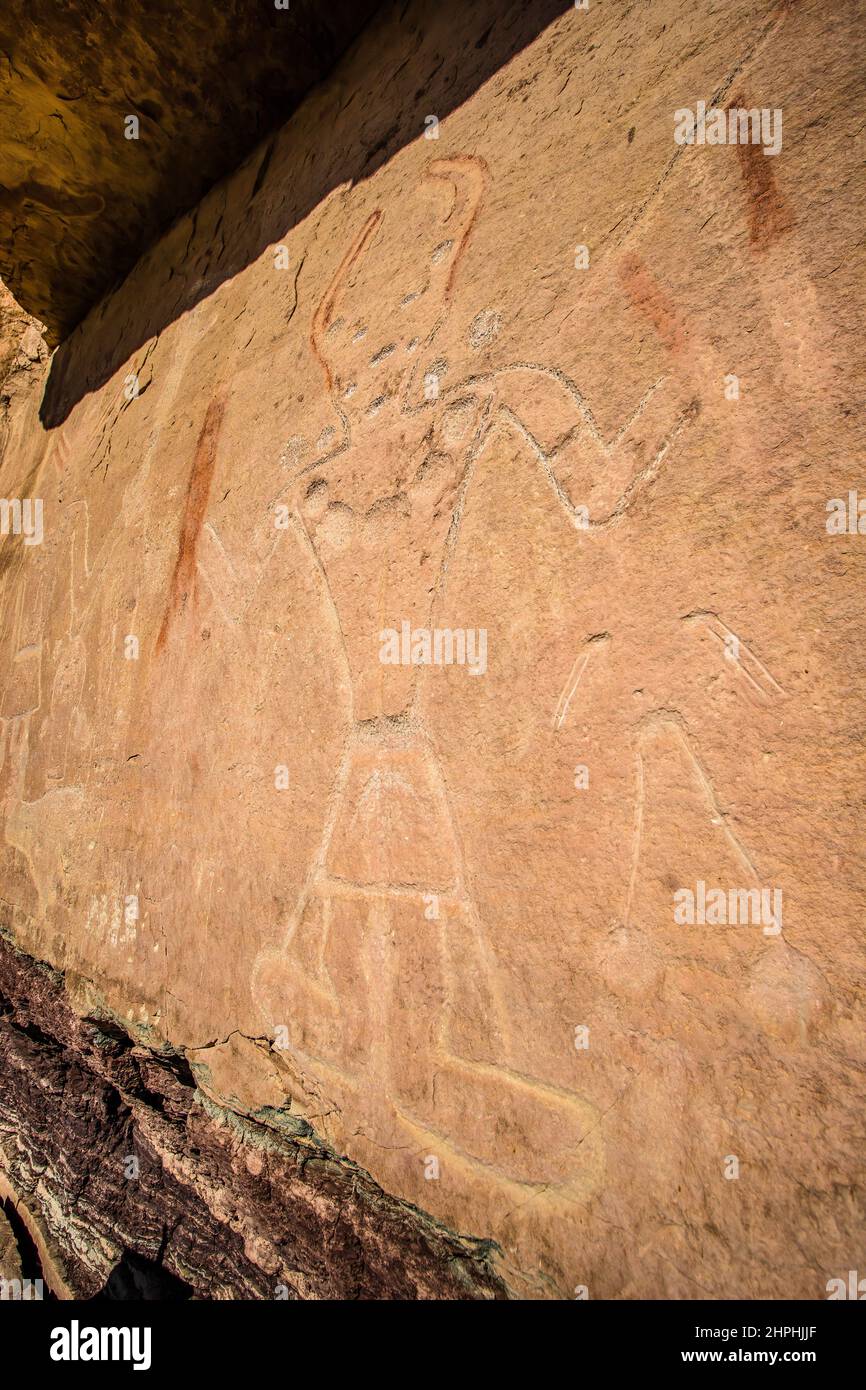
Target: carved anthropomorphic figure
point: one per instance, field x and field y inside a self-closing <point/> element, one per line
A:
<point x="385" y="980"/>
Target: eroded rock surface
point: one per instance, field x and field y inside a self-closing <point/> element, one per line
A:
<point x="125" y="1165"/>
<point x="10" y="1259"/>
<point x="429" y="907"/>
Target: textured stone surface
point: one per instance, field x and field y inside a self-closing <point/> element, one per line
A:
<point x="21" y="339"/>
<point x="79" y="201"/>
<point x="122" y="1156"/>
<point x="378" y="897"/>
<point x="10" y="1260"/>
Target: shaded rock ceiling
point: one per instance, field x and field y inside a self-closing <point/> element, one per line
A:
<point x="79" y="201"/>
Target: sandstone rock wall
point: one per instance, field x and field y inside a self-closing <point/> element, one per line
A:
<point x="429" y="908"/>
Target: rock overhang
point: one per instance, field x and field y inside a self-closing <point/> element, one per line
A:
<point x="117" y="118"/>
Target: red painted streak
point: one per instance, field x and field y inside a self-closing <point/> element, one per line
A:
<point x="198" y="492"/>
<point x="648" y="298"/>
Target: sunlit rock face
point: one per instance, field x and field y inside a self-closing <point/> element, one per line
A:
<point x="431" y="711"/>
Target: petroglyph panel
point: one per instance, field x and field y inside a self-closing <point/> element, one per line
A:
<point x="474" y="623"/>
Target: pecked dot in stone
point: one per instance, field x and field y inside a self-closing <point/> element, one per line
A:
<point x="484" y="328"/>
<point x="294" y="452"/>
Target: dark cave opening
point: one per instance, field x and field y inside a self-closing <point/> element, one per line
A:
<point x="136" y="1278"/>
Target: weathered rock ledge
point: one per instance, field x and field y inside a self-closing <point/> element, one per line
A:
<point x="233" y="1206"/>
